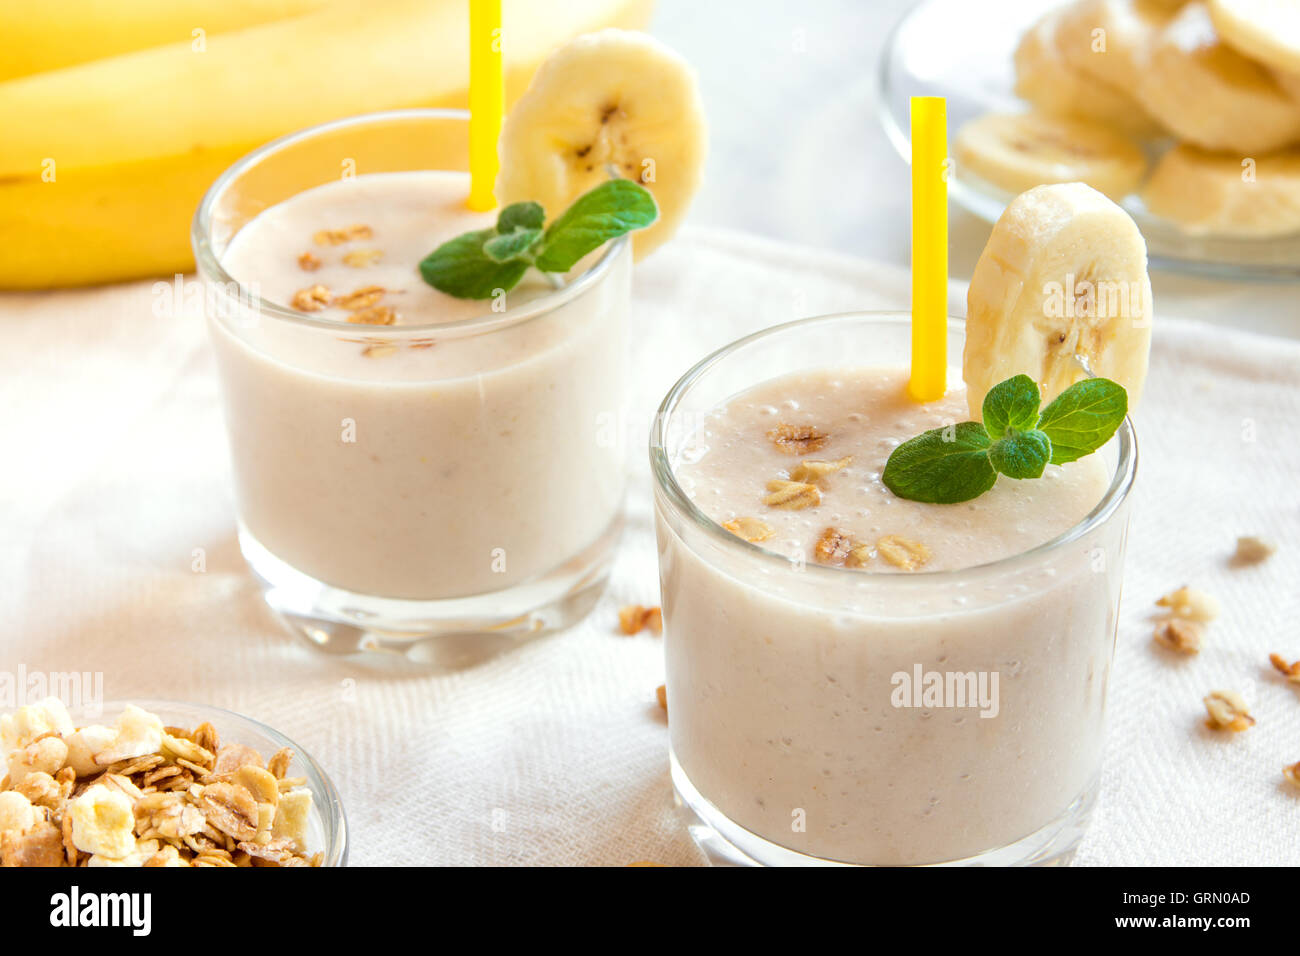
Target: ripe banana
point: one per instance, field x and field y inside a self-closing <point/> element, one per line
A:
<point x="1062" y="278"/>
<point x="1264" y="30"/>
<point x="103" y="164"/>
<point x="35" y="37"/>
<point x="608" y="103"/>
<point x="1109" y="40"/>
<point x="1018" y="151"/>
<point x="1209" y="94"/>
<point x="1045" y="79"/>
<point x="1224" y="194"/>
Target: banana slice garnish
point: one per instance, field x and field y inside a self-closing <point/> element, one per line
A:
<point x="1060" y="290"/>
<point x="1210" y="193"/>
<point x="1018" y="151"/>
<point x="614" y="102"/>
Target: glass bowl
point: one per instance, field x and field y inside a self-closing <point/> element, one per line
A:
<point x="328" y="830"/>
<point x="963" y="51"/>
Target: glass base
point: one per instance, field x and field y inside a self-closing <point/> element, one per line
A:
<point x="728" y="844"/>
<point x="447" y="634"/>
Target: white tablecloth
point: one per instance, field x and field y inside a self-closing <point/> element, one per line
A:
<point x="114" y="470"/>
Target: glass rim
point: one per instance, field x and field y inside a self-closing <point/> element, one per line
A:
<point x="1116" y="494"/>
<point x="332" y="816"/>
<point x="209" y="266"/>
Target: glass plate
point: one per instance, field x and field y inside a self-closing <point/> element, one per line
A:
<point x="962" y="51"/>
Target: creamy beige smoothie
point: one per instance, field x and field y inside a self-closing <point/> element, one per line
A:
<point x="800" y="695"/>
<point x="402" y="443"/>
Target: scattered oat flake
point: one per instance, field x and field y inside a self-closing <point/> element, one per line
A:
<point x="797" y="439"/>
<point x="375" y="315"/>
<point x="634" y="618"/>
<point x="361" y="258"/>
<point x="311" y="299"/>
<point x="814" y="472"/>
<point x="1290" y="671"/>
<point x="308" y="262"/>
<point x="1179" y="635"/>
<point x="792" y="495"/>
<point x="751" y="529"/>
<point x="1191" y="604"/>
<point x="1253" y="550"/>
<point x="903" y="552"/>
<point x="1292" y="773"/>
<point x="661" y="694"/>
<point x="1228" y="711"/>
<point x="832" y="547"/>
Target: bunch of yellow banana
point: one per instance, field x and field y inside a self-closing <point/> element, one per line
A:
<point x="118" y="116"/>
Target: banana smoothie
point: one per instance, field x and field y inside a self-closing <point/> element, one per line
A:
<point x="464" y="457"/>
<point x="889" y="623"/>
<point x="781" y="704"/>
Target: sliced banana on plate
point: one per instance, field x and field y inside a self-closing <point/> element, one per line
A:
<point x="1045" y="79"/>
<point x="1210" y="95"/>
<point x="1264" y="30"/>
<point x="610" y="103"/>
<point x="1060" y="290"/>
<point x="1017" y="151"/>
<point x="1224" y="194"/>
<point x="1110" y="40"/>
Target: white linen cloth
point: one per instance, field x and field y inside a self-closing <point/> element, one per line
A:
<point x="114" y="470"/>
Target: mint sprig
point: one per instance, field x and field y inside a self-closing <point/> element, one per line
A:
<point x="479" y="264"/>
<point x="961" y="462"/>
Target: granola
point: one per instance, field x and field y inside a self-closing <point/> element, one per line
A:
<point x="1228" y="711"/>
<point x="1290" y="671"/>
<point x="141" y="794"/>
<point x="633" y="619"/>
<point x="832" y="547"/>
<point x="361" y="258"/>
<point x="375" y="315"/>
<point x="903" y="552"/>
<point x="753" y="530"/>
<point x="797" y="439"/>
<point x="336" y="237"/>
<point x="312" y="299"/>
<point x="362" y="298"/>
<point x="1179" y="635"/>
<point x="1253" y="550"/>
<point x="813" y="472"/>
<point x="1190" y="604"/>
<point x="792" y="495"/>
<point x="308" y="262"/>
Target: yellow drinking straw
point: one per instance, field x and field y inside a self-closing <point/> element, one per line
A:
<point x="487" y="100"/>
<point x="929" y="249"/>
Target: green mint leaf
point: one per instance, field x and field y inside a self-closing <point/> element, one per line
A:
<point x="1020" y="454"/>
<point x="942" y="466"/>
<point x="1083" y="418"/>
<point x="1011" y="404"/>
<point x="610" y="210"/>
<point x="461" y="268"/>
<point x="521" y="215"/>
<point x="511" y="245"/>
